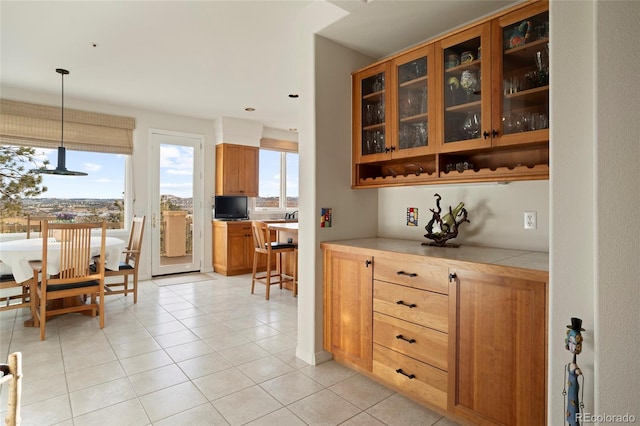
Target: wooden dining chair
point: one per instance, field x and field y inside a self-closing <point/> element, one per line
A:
<point x="16" y="295"/>
<point x="129" y="266"/>
<point x="11" y="373"/>
<point x="75" y="278"/>
<point x="265" y="247"/>
<point x="37" y="220"/>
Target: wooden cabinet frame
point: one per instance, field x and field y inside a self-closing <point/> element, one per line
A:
<point x="496" y="158"/>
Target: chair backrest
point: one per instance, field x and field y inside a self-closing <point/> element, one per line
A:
<point x="33" y="220"/>
<point x="261" y="236"/>
<point x="135" y="240"/>
<point x="75" y="252"/>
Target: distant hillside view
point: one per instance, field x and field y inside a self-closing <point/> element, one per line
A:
<point x="274" y="202"/>
<point x="72" y="209"/>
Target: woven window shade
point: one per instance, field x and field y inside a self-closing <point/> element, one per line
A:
<point x="27" y="124"/>
<point x="278" y="145"/>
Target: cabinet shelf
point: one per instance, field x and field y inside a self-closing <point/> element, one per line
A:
<point x="472" y="65"/>
<point x="471" y="106"/>
<point x="526" y="51"/>
<point x="499" y="173"/>
<point x="374" y="127"/>
<point x="414" y="118"/>
<point x="375" y="96"/>
<point x="535" y="95"/>
<point x="416" y="82"/>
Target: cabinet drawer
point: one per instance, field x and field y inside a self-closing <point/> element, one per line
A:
<point x="421" y="380"/>
<point x="412" y="274"/>
<point x="421" y="343"/>
<point x="417" y="306"/>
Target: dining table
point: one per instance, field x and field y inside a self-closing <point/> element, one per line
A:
<point x="15" y="255"/>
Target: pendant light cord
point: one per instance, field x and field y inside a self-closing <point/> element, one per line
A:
<point x="62" y="124"/>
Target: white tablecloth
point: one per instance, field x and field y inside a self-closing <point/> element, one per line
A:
<point x="15" y="255"/>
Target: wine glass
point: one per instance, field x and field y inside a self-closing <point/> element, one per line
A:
<point x="469" y="82"/>
<point x="471" y="125"/>
<point x="369" y="114"/>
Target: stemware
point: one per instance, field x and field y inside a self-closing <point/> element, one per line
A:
<point x="370" y="114"/>
<point x="469" y="82"/>
<point x="471" y="125"/>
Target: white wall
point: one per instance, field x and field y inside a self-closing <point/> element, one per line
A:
<point x="325" y="163"/>
<point x="145" y="120"/>
<point x="617" y="204"/>
<point x="595" y="198"/>
<point x="495" y="213"/>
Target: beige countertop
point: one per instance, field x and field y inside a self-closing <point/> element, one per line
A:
<point x="495" y="256"/>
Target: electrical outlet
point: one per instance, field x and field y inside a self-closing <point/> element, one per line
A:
<point x="530" y="220"/>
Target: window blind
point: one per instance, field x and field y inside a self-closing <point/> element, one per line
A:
<point x="278" y="145"/>
<point x="27" y="124"/>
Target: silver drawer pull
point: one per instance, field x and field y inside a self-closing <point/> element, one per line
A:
<point x="401" y="337"/>
<point x="410" y="376"/>
<point x="400" y="302"/>
<point x="408" y="274"/>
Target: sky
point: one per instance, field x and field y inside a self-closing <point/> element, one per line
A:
<point x="106" y="173"/>
<point x="105" y="177"/>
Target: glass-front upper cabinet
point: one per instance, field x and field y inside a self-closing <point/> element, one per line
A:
<point x="370" y="124"/>
<point x="521" y="112"/>
<point x="413" y="105"/>
<point x="465" y="90"/>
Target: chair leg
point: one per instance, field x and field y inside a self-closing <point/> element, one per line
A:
<point x="253" y="276"/>
<point x="279" y="269"/>
<point x="268" y="277"/>
<point x="295" y="273"/>
<point x="135" y="287"/>
<point x="43" y="318"/>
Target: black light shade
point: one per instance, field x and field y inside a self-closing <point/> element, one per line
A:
<point x="61" y="169"/>
<point x="62" y="151"/>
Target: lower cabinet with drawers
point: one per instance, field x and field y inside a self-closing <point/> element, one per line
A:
<point x="466" y="339"/>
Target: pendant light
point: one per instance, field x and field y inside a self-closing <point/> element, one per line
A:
<point x="62" y="151"/>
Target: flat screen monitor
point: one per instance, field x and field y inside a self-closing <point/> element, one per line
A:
<point x="230" y="207"/>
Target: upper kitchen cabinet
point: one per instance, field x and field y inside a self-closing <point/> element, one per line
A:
<point x="464" y="97"/>
<point x="236" y="170"/>
<point x="521" y="76"/>
<point x="370" y="112"/>
<point x="411" y="106"/>
<point x="470" y="106"/>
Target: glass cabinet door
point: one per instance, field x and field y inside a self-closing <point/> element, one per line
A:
<point x="466" y="94"/>
<point x="523" y="107"/>
<point x="411" y="74"/>
<point x="371" y="140"/>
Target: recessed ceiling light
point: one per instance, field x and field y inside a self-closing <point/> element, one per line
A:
<point x="249" y="109"/>
<point x="293" y="95"/>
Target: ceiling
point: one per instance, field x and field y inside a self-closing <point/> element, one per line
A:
<point x="202" y="59"/>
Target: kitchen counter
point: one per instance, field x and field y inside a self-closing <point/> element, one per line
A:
<point x="489" y="255"/>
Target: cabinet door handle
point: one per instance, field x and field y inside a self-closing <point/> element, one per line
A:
<point x="367" y="263"/>
<point x="494" y="133"/>
<point x="452" y="276"/>
<point x="408" y="274"/>
<point x="486" y="134"/>
<point x="400" y="302"/>
<point x="401" y="337"/>
<point x="410" y="376"/>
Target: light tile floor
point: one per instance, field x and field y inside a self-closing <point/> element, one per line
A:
<point x="193" y="353"/>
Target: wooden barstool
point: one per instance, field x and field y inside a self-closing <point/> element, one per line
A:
<point x="265" y="247"/>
